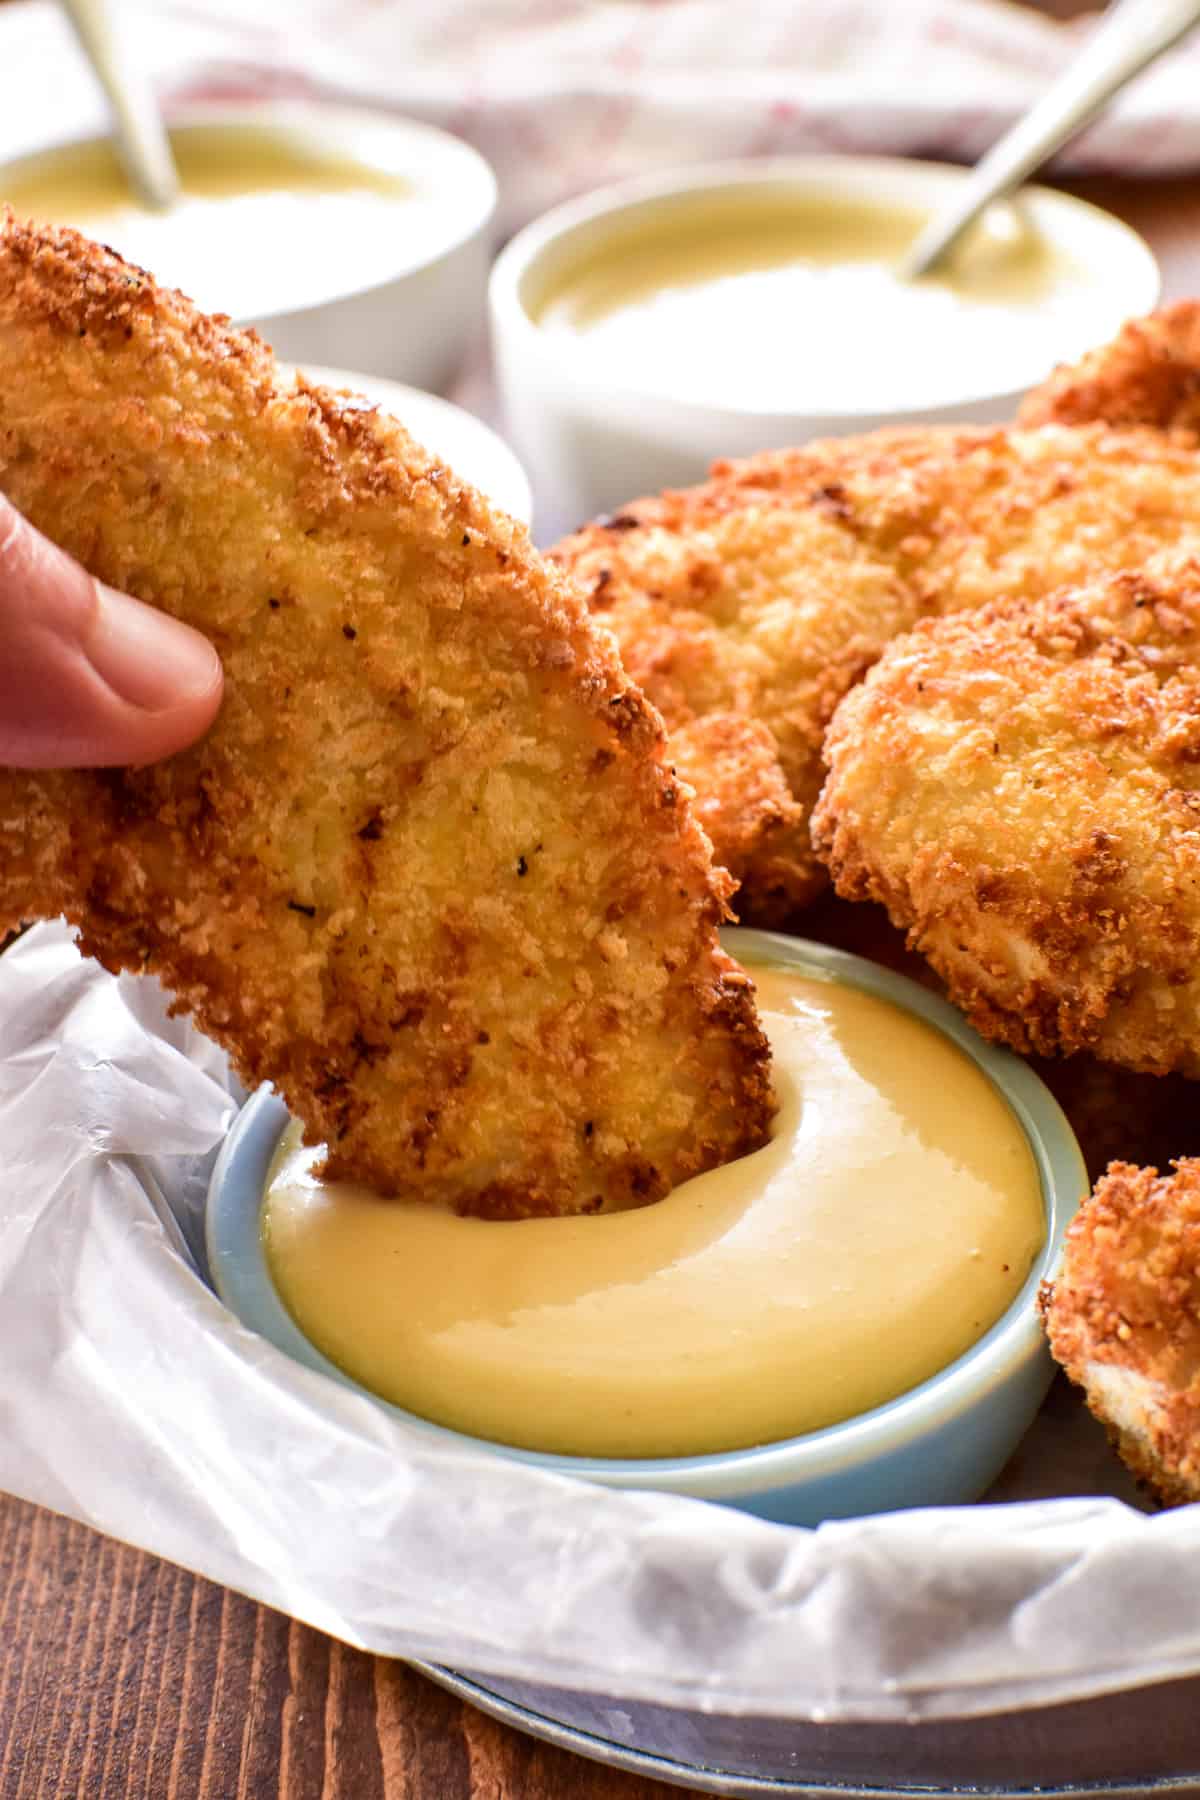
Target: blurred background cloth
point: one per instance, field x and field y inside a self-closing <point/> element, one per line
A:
<point x="561" y="95"/>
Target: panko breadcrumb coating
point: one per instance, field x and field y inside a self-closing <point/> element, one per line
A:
<point x="428" y="872"/>
<point x="1021" y="789"/>
<point x="1148" y="375"/>
<point x="747" y="607"/>
<point x="1123" y="1319"/>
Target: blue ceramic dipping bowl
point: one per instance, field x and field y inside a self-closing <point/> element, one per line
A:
<point x="940" y="1444"/>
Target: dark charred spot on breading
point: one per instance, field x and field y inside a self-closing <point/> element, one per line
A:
<point x="645" y="1181"/>
<point x="832" y="497"/>
<point x="1098" y="863"/>
<point x="991" y="887"/>
<point x="421" y="1136"/>
<point x="411" y="1006"/>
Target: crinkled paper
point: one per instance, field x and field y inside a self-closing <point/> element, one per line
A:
<point x="134" y="1402"/>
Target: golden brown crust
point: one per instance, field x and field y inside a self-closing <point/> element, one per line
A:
<point x="1021" y="789"/>
<point x="766" y="593"/>
<point x="740" y="795"/>
<point x="428" y="872"/>
<point x="1123" y="1319"/>
<point x="1148" y="375"/>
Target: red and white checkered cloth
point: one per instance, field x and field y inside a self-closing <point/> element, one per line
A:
<point x="561" y="95"/>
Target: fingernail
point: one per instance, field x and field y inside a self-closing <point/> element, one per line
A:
<point x="148" y="658"/>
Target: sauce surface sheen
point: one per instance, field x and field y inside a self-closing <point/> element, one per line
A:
<point x="890" y="1221"/>
<point x="798" y="305"/>
<point x="265" y="222"/>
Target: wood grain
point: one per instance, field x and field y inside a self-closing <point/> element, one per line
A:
<point x="125" y="1678"/>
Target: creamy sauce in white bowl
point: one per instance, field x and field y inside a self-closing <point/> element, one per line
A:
<point x="347" y="236"/>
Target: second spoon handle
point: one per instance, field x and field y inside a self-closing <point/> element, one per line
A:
<point x="1130" y="35"/>
<point x="141" y="136"/>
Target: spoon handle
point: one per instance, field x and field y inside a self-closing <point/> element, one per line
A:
<point x="141" y="137"/>
<point x="1130" y="35"/>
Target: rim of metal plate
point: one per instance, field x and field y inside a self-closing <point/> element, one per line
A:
<point x="753" y="1787"/>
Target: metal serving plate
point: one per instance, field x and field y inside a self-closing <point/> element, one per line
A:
<point x="1124" y="1746"/>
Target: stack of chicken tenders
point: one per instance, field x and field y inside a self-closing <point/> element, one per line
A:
<point x="449" y="868"/>
<point x="958" y="673"/>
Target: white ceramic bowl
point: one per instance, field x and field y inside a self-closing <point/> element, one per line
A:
<point x="413" y="318"/>
<point x="590" y="444"/>
<point x="468" y="446"/>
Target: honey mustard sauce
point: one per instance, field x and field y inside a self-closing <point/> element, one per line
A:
<point x="798" y="304"/>
<point x="261" y="220"/>
<point x="891" y="1219"/>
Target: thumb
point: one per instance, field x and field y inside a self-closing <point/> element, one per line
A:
<point x="90" y="677"/>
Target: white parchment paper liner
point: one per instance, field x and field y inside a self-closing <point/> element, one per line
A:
<point x="132" y="1401"/>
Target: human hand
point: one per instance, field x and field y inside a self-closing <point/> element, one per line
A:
<point x="88" y="677"/>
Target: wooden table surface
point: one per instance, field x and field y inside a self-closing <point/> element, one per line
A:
<point x="123" y="1678"/>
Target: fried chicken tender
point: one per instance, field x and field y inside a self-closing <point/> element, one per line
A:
<point x="1123" y="1319"/>
<point x="428" y="872"/>
<point x="1021" y="789"/>
<point x="747" y="607"/>
<point x="1148" y="375"/>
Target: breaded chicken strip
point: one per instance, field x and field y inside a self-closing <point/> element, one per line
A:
<point x="1148" y="375"/>
<point x="1021" y="789"/>
<point x="746" y="608"/>
<point x="1123" y="1319"/>
<point x="428" y="873"/>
